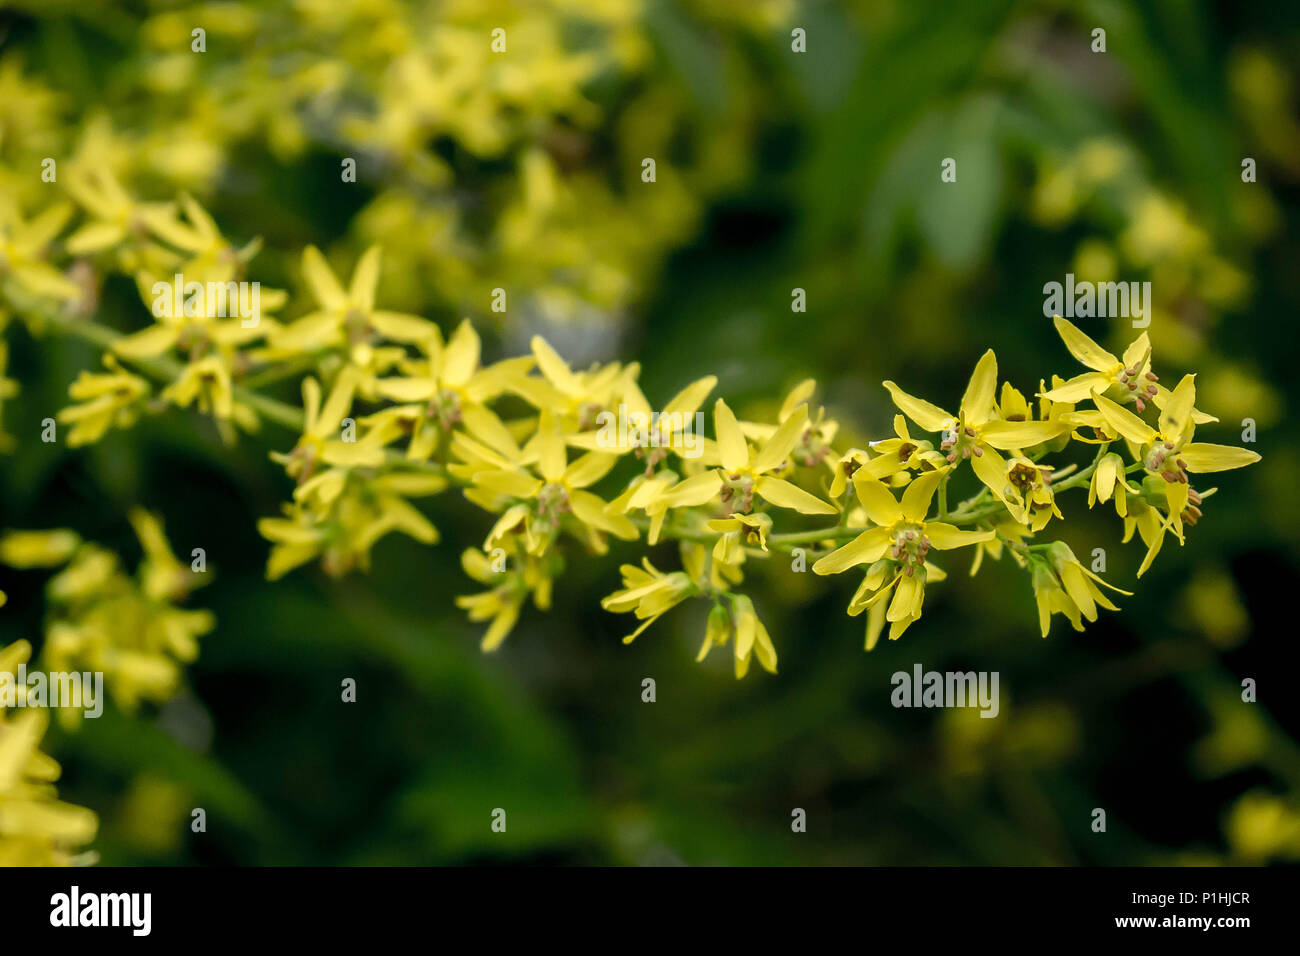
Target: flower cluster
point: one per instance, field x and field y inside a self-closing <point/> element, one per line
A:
<point x="131" y="629"/>
<point x="394" y="412"/>
<point x="738" y="494"/>
<point x="36" y="828"/>
<point x="435" y="105"/>
<point x="99" y="620"/>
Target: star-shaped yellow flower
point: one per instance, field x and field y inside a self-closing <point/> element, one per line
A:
<point x="346" y="316"/>
<point x="974" y="432"/>
<point x="1168" y="451"/>
<point x="903" y="537"/>
<point x="746" y="472"/>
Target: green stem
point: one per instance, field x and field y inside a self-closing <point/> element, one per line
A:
<point x="167" y="370"/>
<point x="971" y="511"/>
<point x="278" y="373"/>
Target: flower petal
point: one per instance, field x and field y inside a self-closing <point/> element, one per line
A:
<point x="591" y="510"/>
<point x="1176" y="416"/>
<point x="695" y="490"/>
<point x="1078" y="388"/>
<point x="321" y="280"/>
<point x="785" y="495"/>
<point x="365" y="279"/>
<point x="930" y="417"/>
<point x="461" y="356"/>
<point x="1009" y="435"/>
<point x="778" y="447"/>
<point x="400" y="327"/>
<point x="555" y="369"/>
<point x="589" y="469"/>
<point x="916" y="499"/>
<point x="691" y="397"/>
<point x="866" y="547"/>
<point x="1083" y="348"/>
<point x="1123" y="421"/>
<point x="907" y="598"/>
<point x="876" y="500"/>
<point x="731" y="440"/>
<point x="977" y="401"/>
<point x="945" y="536"/>
<point x="1201" y="457"/>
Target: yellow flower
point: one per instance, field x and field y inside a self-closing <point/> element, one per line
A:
<point x="38" y="549"/>
<point x="23" y="247"/>
<point x="814" y="443"/>
<point x="343" y="530"/>
<point x="1051" y="598"/>
<point x="346" y="317"/>
<point x="451" y="388"/>
<point x="509" y="587"/>
<point x="649" y="593"/>
<point x="844" y="469"/>
<point x="650" y="436"/>
<point x="746" y="472"/>
<point x="1107" y="480"/>
<point x="36" y="829"/>
<point x="898" y="454"/>
<point x="295" y="539"/>
<point x="540" y="505"/>
<point x="974" y="433"/>
<point x="162" y="576"/>
<point x="1131" y="375"/>
<point x="100" y="619"/>
<point x="322" y="441"/>
<point x="210" y="256"/>
<point x="751" y="637"/>
<point x="206" y="384"/>
<point x="647" y="493"/>
<point x="116" y="216"/>
<point x="1029" y="493"/>
<point x="738" y="532"/>
<point x="112" y="399"/>
<point x="1167" y="451"/>
<point x="1062" y="585"/>
<point x="904" y="534"/>
<point x="576" y="399"/>
<point x="217" y="318"/>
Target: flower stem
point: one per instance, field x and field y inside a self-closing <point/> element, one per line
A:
<point x="167" y="370"/>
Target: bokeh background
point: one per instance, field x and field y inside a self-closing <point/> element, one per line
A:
<point x="776" y="170"/>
